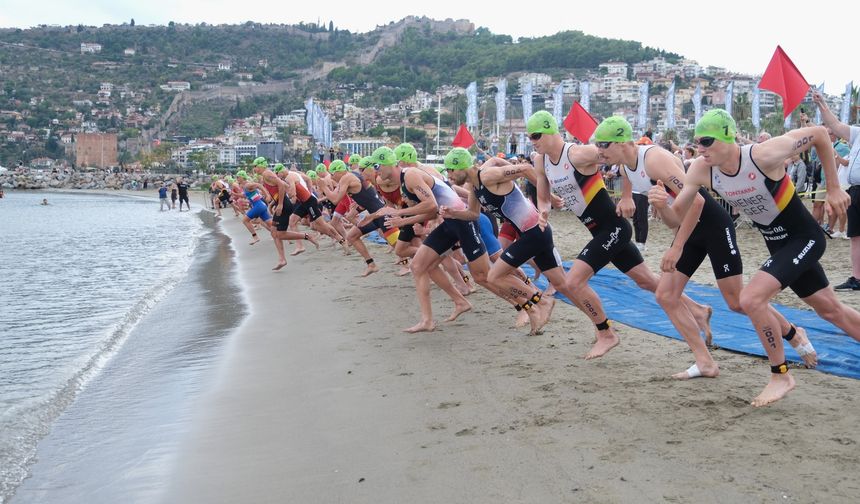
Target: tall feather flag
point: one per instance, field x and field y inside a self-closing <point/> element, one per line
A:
<point x="309" y="115"/>
<point x="579" y="123"/>
<point x="472" y="108"/>
<point x="642" y="120"/>
<point x="730" y="91"/>
<point x="557" y="103"/>
<point x="697" y="102"/>
<point x="501" y="96"/>
<point x="845" y="111"/>
<point x="527" y="100"/>
<point x="585" y="95"/>
<point x="756" y="107"/>
<point x="820" y="89"/>
<point x="670" y="107"/>
<point x="784" y="79"/>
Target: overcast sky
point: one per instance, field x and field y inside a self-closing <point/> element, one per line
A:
<point x="740" y="36"/>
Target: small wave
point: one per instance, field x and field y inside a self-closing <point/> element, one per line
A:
<point x="30" y="423"/>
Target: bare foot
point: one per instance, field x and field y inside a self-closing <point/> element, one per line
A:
<point x="279" y="265"/>
<point x="549" y="290"/>
<point x="544" y="311"/>
<point x="606" y="341"/>
<point x="696" y="371"/>
<point x="522" y="318"/>
<point x="776" y="389"/>
<point x="297" y="252"/>
<point x="703" y="320"/>
<point x="404" y="270"/>
<point x="371" y="269"/>
<point x="800" y="342"/>
<point x="459" y="309"/>
<point x="254" y="240"/>
<point x="422" y="327"/>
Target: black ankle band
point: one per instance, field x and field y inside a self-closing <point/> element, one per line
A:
<point x="527" y="305"/>
<point x="790" y="334"/>
<point x="781" y="369"/>
<point x="369" y="261"/>
<point x="518" y="307"/>
<point x="603" y="325"/>
<point x="535" y="299"/>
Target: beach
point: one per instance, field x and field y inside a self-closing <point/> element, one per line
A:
<point x="320" y="397"/>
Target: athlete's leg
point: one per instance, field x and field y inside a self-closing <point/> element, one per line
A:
<point x="827" y="306"/>
<point x="730" y="288"/>
<point x="353" y="236"/>
<point x="294" y="227"/>
<point x="647" y="280"/>
<point x="421" y="266"/>
<point x="668" y="294"/>
<point x="754" y="300"/>
<point x="576" y="282"/>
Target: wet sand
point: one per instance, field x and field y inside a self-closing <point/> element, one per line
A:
<point x="322" y="398"/>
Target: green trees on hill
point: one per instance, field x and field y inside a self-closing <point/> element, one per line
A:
<point x="424" y="59"/>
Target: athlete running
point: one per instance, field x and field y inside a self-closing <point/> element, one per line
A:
<point x="707" y="230"/>
<point x="573" y="173"/>
<point x="362" y="192"/>
<point x="752" y="179"/>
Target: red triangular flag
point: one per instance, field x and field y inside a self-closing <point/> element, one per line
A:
<point x="464" y="138"/>
<point x="784" y="79"/>
<point x="579" y="123"/>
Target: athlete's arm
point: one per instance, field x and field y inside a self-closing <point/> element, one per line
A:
<point x="498" y="173"/>
<point x="691" y="219"/>
<point x="625" y="207"/>
<point x="427" y="202"/>
<point x="697" y="176"/>
<point x="769" y="158"/>
<point x="840" y="129"/>
<point x="341" y="190"/>
<point x="584" y="157"/>
<point x="543" y="190"/>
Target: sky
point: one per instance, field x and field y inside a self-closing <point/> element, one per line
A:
<point x="740" y="36"/>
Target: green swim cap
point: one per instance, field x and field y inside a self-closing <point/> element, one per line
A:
<point x="337" y="166"/>
<point x="321" y="167"/>
<point x="214" y="177"/>
<point x="366" y="162"/>
<point x="542" y="122"/>
<point x="384" y="156"/>
<point x="354" y="159"/>
<point x="229" y="179"/>
<point x="260" y="161"/>
<point x="406" y="152"/>
<point x="313" y="175"/>
<point x="441" y="168"/>
<point x="458" y="159"/>
<point x="613" y="129"/>
<point x="242" y="173"/>
<point x="717" y="123"/>
<point x="279" y="167"/>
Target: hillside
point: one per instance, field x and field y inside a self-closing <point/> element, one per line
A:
<point x="48" y="84"/>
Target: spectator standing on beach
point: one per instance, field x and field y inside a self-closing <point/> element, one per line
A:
<point x="162" y="198"/>
<point x="852" y="134"/>
<point x="173" y="195"/>
<point x="183" y="193"/>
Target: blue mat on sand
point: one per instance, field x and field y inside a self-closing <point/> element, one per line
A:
<point x="625" y="302"/>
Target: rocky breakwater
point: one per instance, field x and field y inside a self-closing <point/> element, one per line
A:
<point x="95" y="179"/>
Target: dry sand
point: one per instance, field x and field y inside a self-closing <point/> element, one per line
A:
<point x="322" y="398"/>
